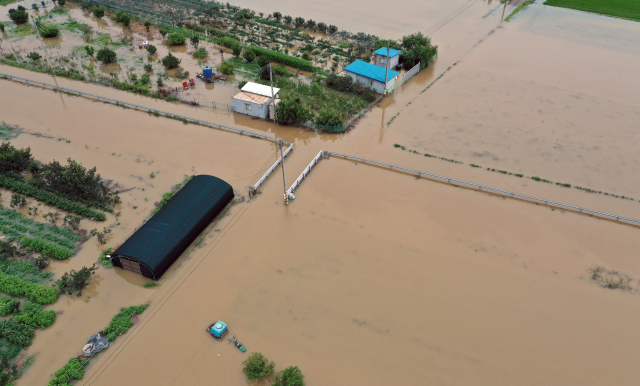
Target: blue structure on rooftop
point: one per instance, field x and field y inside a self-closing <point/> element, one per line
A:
<point x="383" y="51"/>
<point x="370" y="71"/>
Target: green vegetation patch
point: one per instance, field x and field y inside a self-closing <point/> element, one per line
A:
<point x="625" y="9"/>
<point x="16" y="287"/>
<point x="24" y="30"/>
<point x="520" y="8"/>
<point x="121" y="323"/>
<point x="8" y="132"/>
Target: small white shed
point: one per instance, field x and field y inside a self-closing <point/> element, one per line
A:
<point x="254" y="99"/>
<point x="382" y="57"/>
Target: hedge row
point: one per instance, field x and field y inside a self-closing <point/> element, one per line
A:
<point x="122" y="321"/>
<point x="49" y="198"/>
<point x="46" y="249"/>
<point x="14" y="286"/>
<point x="74" y="369"/>
<point x="34" y="316"/>
<point x="279" y="57"/>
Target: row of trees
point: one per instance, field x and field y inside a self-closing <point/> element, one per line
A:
<point x="310" y="24"/>
<point x="72" y="181"/>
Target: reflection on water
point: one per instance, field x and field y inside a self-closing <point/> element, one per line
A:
<point x="53" y="42"/>
<point x="182" y="48"/>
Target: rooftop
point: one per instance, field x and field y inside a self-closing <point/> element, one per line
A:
<point x="253" y="98"/>
<point x="370" y="71"/>
<point x="383" y="51"/>
<point x="259" y="89"/>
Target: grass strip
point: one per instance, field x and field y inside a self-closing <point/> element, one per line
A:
<point x="520" y="8"/>
<point x="624" y="9"/>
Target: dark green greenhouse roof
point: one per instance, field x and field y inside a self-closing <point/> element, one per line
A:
<point x="162" y="239"/>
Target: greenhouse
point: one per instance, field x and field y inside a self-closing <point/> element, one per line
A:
<point x="152" y="249"/>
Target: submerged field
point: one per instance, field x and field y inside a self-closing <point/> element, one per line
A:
<point x="626" y="9"/>
<point x="370" y="277"/>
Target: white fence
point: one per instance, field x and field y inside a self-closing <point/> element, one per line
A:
<point x="409" y="74"/>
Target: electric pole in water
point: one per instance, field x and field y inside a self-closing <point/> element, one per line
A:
<point x="275" y="116"/>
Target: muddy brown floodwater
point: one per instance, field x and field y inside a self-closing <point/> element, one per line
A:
<point x="371" y="277"/>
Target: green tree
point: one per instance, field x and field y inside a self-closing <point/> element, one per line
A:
<point x="90" y="50"/>
<point x="159" y="82"/>
<point x="98" y="12"/>
<point x="237" y="50"/>
<point x="147" y="25"/>
<point x="291" y="376"/>
<point x="288" y="19"/>
<point x="170" y="61"/>
<point x="277" y="16"/>
<point x="106" y="55"/>
<point x="18" y="16"/>
<point x="249" y="54"/>
<point x="151" y="49"/>
<point x="34" y="6"/>
<point x="62" y="2"/>
<point x="329" y="117"/>
<point x="291" y="110"/>
<point x="75" y="281"/>
<point x="163" y="31"/>
<point x="195" y="40"/>
<point x="298" y="22"/>
<point x="18" y="200"/>
<point x="257" y="366"/>
<point x="332" y="29"/>
<point x="418" y="48"/>
<point x="322" y="27"/>
<point x="48" y="30"/>
<point x="310" y="24"/>
<point x="176" y="38"/>
<point x="200" y="53"/>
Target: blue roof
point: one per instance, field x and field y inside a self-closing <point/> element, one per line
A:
<point x="383" y="51"/>
<point x="370" y="71"/>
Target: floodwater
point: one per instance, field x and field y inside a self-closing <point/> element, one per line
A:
<point x="372" y="277"/>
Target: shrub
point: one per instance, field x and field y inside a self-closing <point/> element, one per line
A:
<point x="291" y="376"/>
<point x="123" y="17"/>
<point x="121" y="323"/>
<point x="34" y="56"/>
<point x="98" y="12"/>
<point x="329" y="117"/>
<point x="18" y="200"/>
<point x="147" y="25"/>
<point x="151" y="49"/>
<point x="62" y="2"/>
<point x="176" y="38"/>
<point x="226" y="68"/>
<point x="43" y="294"/>
<point x="170" y="61"/>
<point x="90" y="50"/>
<point x="332" y="29"/>
<point x="257" y="366"/>
<point x="288" y="19"/>
<point x="34" y="316"/>
<point x="417" y="48"/>
<point x="148" y="67"/>
<point x="277" y="16"/>
<point x="242" y="84"/>
<point x="291" y="110"/>
<point x="75" y="281"/>
<point x="17" y="333"/>
<point x="48" y="30"/>
<point x="322" y="27"/>
<point x="228" y="42"/>
<point x="279" y="57"/>
<point x="200" y="53"/>
<point x="8" y="305"/>
<point x="249" y="55"/>
<point x="106" y="56"/>
<point x="19" y="16"/>
<point x="237" y="50"/>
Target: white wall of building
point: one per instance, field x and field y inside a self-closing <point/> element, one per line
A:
<point x="381" y="61"/>
<point x="378" y="86"/>
<point x="249" y="108"/>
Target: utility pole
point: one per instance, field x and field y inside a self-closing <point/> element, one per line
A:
<point x="386" y="73"/>
<point x="275" y="116"/>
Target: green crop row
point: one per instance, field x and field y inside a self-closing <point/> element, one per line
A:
<point x="46" y="249"/>
<point x="122" y="321"/>
<point x="17" y="287"/>
<point x="15" y="230"/>
<point x="34" y="316"/>
<point x="49" y="198"/>
<point x="74" y="369"/>
<point x="279" y="57"/>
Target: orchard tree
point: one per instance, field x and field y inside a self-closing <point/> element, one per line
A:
<point x="106" y="55"/>
<point x="151" y="49"/>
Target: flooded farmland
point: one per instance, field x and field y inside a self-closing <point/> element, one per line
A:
<point x="371" y="276"/>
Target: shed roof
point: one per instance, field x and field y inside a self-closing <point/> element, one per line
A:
<point x="252" y="98"/>
<point x="383" y="51"/>
<point x="370" y="71"/>
<point x="162" y="239"/>
<point x="259" y="89"/>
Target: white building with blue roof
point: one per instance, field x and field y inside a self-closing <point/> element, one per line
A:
<point x="371" y="75"/>
<point x="382" y="58"/>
